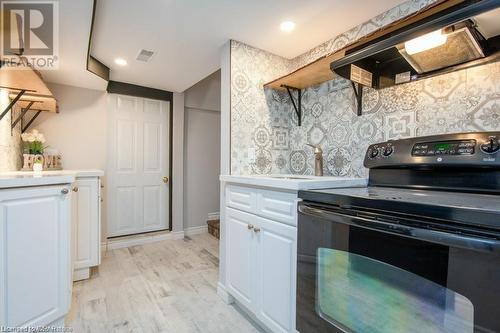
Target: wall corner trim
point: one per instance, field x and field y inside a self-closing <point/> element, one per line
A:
<point x="93" y="65"/>
<point x="122" y="88"/>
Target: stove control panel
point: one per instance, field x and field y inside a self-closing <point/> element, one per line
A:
<point x="462" y="147"/>
<point x="481" y="149"/>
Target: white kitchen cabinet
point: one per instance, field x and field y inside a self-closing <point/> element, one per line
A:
<point x="276" y="268"/>
<point x="261" y="254"/>
<point x="35" y="255"/>
<point x="241" y="256"/>
<point x="258" y="247"/>
<point x="275" y="205"/>
<point x="86" y="226"/>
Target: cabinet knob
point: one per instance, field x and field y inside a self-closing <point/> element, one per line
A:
<point x="64" y="191"/>
<point x="256" y="229"/>
<point x="250" y="226"/>
<point x="75" y="189"/>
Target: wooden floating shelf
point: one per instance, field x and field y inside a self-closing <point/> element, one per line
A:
<point x="26" y="79"/>
<point x="27" y="90"/>
<point x="315" y="73"/>
<point x="41" y="103"/>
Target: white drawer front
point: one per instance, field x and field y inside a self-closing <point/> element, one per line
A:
<point x="277" y="206"/>
<point x="241" y="198"/>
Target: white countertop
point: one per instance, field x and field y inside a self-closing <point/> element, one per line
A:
<point x="11" y="181"/>
<point x="29" y="178"/>
<point x="75" y="173"/>
<point x="295" y="182"/>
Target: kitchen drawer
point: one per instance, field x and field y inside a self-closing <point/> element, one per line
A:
<point x="242" y="198"/>
<point x="277" y="206"/>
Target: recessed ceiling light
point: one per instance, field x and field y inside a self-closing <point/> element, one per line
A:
<point x="121" y="61"/>
<point x="287" y="26"/>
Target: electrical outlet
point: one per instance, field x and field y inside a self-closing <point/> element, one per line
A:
<point x="251" y="155"/>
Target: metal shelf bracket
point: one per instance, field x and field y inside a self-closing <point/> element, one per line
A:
<point x="298" y="106"/>
<point x="23" y="112"/>
<point x="12" y="103"/>
<point x="24" y="128"/>
<point x="358" y="93"/>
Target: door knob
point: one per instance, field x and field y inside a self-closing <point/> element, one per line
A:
<point x="75" y="189"/>
<point x="165" y="179"/>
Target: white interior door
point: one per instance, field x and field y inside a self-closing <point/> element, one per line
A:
<point x="138" y="161"/>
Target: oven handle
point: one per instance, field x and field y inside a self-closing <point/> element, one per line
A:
<point x="434" y="236"/>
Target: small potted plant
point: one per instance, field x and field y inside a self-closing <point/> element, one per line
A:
<point x="33" y="146"/>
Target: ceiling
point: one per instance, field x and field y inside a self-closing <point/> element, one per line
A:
<point x="186" y="35"/>
<point x="75" y="17"/>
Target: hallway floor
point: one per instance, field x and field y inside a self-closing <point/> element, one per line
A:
<point x="168" y="286"/>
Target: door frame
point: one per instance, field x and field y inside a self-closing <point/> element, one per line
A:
<point x="122" y="88"/>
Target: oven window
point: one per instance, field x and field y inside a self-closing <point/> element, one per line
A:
<point x="355" y="279"/>
<point x="367" y="295"/>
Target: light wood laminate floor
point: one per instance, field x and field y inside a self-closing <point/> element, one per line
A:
<point x="168" y="286"/>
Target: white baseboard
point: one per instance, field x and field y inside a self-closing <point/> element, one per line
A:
<point x="119" y="243"/>
<point x="58" y="323"/>
<point x="214" y="216"/>
<point x="222" y="292"/>
<point x="127" y="241"/>
<point x="196" y="230"/>
<point x="81" y="274"/>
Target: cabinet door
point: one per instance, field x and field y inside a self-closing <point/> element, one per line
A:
<point x="240" y="256"/>
<point x="34" y="255"/>
<point x="276" y="280"/>
<point x="87" y="223"/>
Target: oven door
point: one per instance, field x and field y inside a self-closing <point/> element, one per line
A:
<point x="360" y="271"/>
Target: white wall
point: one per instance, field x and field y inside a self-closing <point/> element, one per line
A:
<point x="225" y="146"/>
<point x="202" y="151"/>
<point x="79" y="131"/>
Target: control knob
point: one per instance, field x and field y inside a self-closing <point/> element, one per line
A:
<point x="491" y="146"/>
<point x="374" y="152"/>
<point x="388" y="151"/>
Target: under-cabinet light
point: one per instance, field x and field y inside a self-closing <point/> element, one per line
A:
<point x="425" y="42"/>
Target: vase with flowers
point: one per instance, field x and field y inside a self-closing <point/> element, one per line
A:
<point x="33" y="150"/>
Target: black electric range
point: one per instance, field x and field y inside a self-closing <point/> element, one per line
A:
<point x="418" y="250"/>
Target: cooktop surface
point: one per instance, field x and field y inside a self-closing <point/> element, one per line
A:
<point x="469" y="208"/>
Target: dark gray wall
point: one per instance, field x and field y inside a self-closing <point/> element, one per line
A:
<point x="202" y="151"/>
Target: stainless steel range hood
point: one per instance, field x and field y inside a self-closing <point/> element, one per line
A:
<point x="466" y="34"/>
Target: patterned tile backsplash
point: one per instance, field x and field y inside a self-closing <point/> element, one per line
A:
<point x="264" y="119"/>
<point x="10" y="141"/>
<point x="462" y="101"/>
<point x="259" y="119"/>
